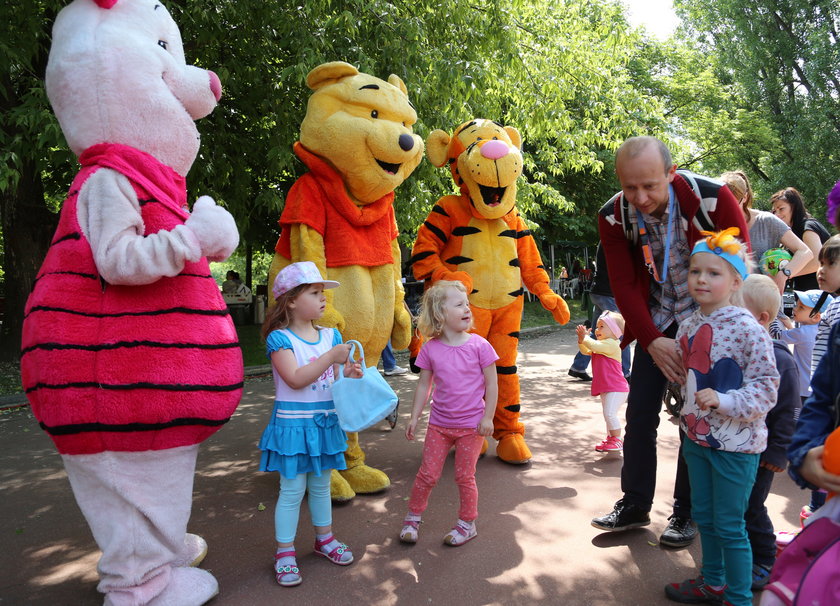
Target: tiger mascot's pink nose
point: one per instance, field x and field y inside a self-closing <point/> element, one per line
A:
<point x="494" y="150"/>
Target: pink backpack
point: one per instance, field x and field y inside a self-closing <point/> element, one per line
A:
<point x="808" y="571"/>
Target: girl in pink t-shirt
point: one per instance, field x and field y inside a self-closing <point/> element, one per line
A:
<point x="462" y="367"/>
<point x="607" y="377"/>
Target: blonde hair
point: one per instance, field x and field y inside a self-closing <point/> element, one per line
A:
<point x="740" y="186"/>
<point x="279" y="315"/>
<point x="760" y="294"/>
<point x="431" y="320"/>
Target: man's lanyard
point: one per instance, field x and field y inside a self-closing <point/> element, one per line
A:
<point x="645" y="239"/>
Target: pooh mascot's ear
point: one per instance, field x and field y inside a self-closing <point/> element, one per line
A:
<point x="105" y="3"/>
<point x="437" y="147"/>
<point x="515" y="137"/>
<point x="395" y="80"/>
<point x="330" y="73"/>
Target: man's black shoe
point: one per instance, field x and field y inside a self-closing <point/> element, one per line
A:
<point x="624" y="516"/>
<point x="579" y="374"/>
<point x="680" y="532"/>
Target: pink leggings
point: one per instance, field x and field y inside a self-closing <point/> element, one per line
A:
<point x="439" y="440"/>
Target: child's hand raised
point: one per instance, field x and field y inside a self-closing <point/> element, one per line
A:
<point x="581" y="332"/>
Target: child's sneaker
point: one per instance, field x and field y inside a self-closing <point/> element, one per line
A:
<point x="783" y="539"/>
<point x="760" y="576"/>
<point x="614" y="444"/>
<point x="694" y="591"/>
<point x="460" y="533"/>
<point x="610" y="444"/>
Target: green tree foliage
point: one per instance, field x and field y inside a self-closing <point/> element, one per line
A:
<point x="782" y="61"/>
<point x="707" y="122"/>
<point x="556" y="72"/>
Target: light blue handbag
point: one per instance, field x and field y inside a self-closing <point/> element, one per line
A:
<point x="362" y="402"/>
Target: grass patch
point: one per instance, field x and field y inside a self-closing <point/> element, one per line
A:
<point x="252" y="344"/>
<point x="535" y="315"/>
<point x="10" y="378"/>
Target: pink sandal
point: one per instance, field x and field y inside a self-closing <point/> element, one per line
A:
<point x="287" y="576"/>
<point x="336" y="555"/>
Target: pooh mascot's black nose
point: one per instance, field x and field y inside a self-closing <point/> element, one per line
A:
<point x="406" y="142"/>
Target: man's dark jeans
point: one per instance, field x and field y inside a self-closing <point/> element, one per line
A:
<point x="644" y="403"/>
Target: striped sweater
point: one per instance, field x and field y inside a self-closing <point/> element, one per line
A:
<point x="127" y="367"/>
<point x="828" y="318"/>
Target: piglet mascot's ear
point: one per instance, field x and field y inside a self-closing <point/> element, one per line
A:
<point x="129" y="357"/>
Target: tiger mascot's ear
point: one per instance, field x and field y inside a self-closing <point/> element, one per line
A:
<point x="515" y="137"/>
<point x="437" y="147"/>
<point x="329" y="73"/>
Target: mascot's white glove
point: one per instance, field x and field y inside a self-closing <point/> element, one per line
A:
<point x="214" y="228"/>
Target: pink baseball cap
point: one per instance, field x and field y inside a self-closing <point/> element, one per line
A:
<point x="303" y="272"/>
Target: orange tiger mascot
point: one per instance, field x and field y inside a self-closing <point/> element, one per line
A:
<point x="479" y="238"/>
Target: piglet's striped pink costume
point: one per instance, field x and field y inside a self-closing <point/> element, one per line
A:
<point x="127" y="368"/>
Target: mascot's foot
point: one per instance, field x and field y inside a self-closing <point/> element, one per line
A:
<point x="366" y="480"/>
<point x="484" y="448"/>
<point x="188" y="587"/>
<point x="340" y="489"/>
<point x="513" y="449"/>
<point x="195" y="550"/>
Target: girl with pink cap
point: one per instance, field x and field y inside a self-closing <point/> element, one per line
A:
<point x="607" y="376"/>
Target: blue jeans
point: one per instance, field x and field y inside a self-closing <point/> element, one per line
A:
<point x="389" y="362"/>
<point x="600" y="304"/>
<point x="721" y="483"/>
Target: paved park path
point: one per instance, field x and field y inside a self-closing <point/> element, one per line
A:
<point x="535" y="544"/>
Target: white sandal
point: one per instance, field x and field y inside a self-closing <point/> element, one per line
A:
<point x="410" y="530"/>
<point x="460" y="533"/>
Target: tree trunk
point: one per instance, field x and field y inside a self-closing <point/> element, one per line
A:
<point x="28" y="227"/>
<point x="249" y="266"/>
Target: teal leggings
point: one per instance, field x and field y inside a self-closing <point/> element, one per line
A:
<point x="721" y="483"/>
<point x="287" y="512"/>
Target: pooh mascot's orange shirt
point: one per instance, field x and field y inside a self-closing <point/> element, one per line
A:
<point x="127" y="368"/>
<point x="359" y="235"/>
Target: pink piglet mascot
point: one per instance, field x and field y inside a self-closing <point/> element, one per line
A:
<point x="129" y="357"/>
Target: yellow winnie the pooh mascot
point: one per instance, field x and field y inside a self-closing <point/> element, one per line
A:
<point x="356" y="139"/>
<point x="479" y="238"/>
